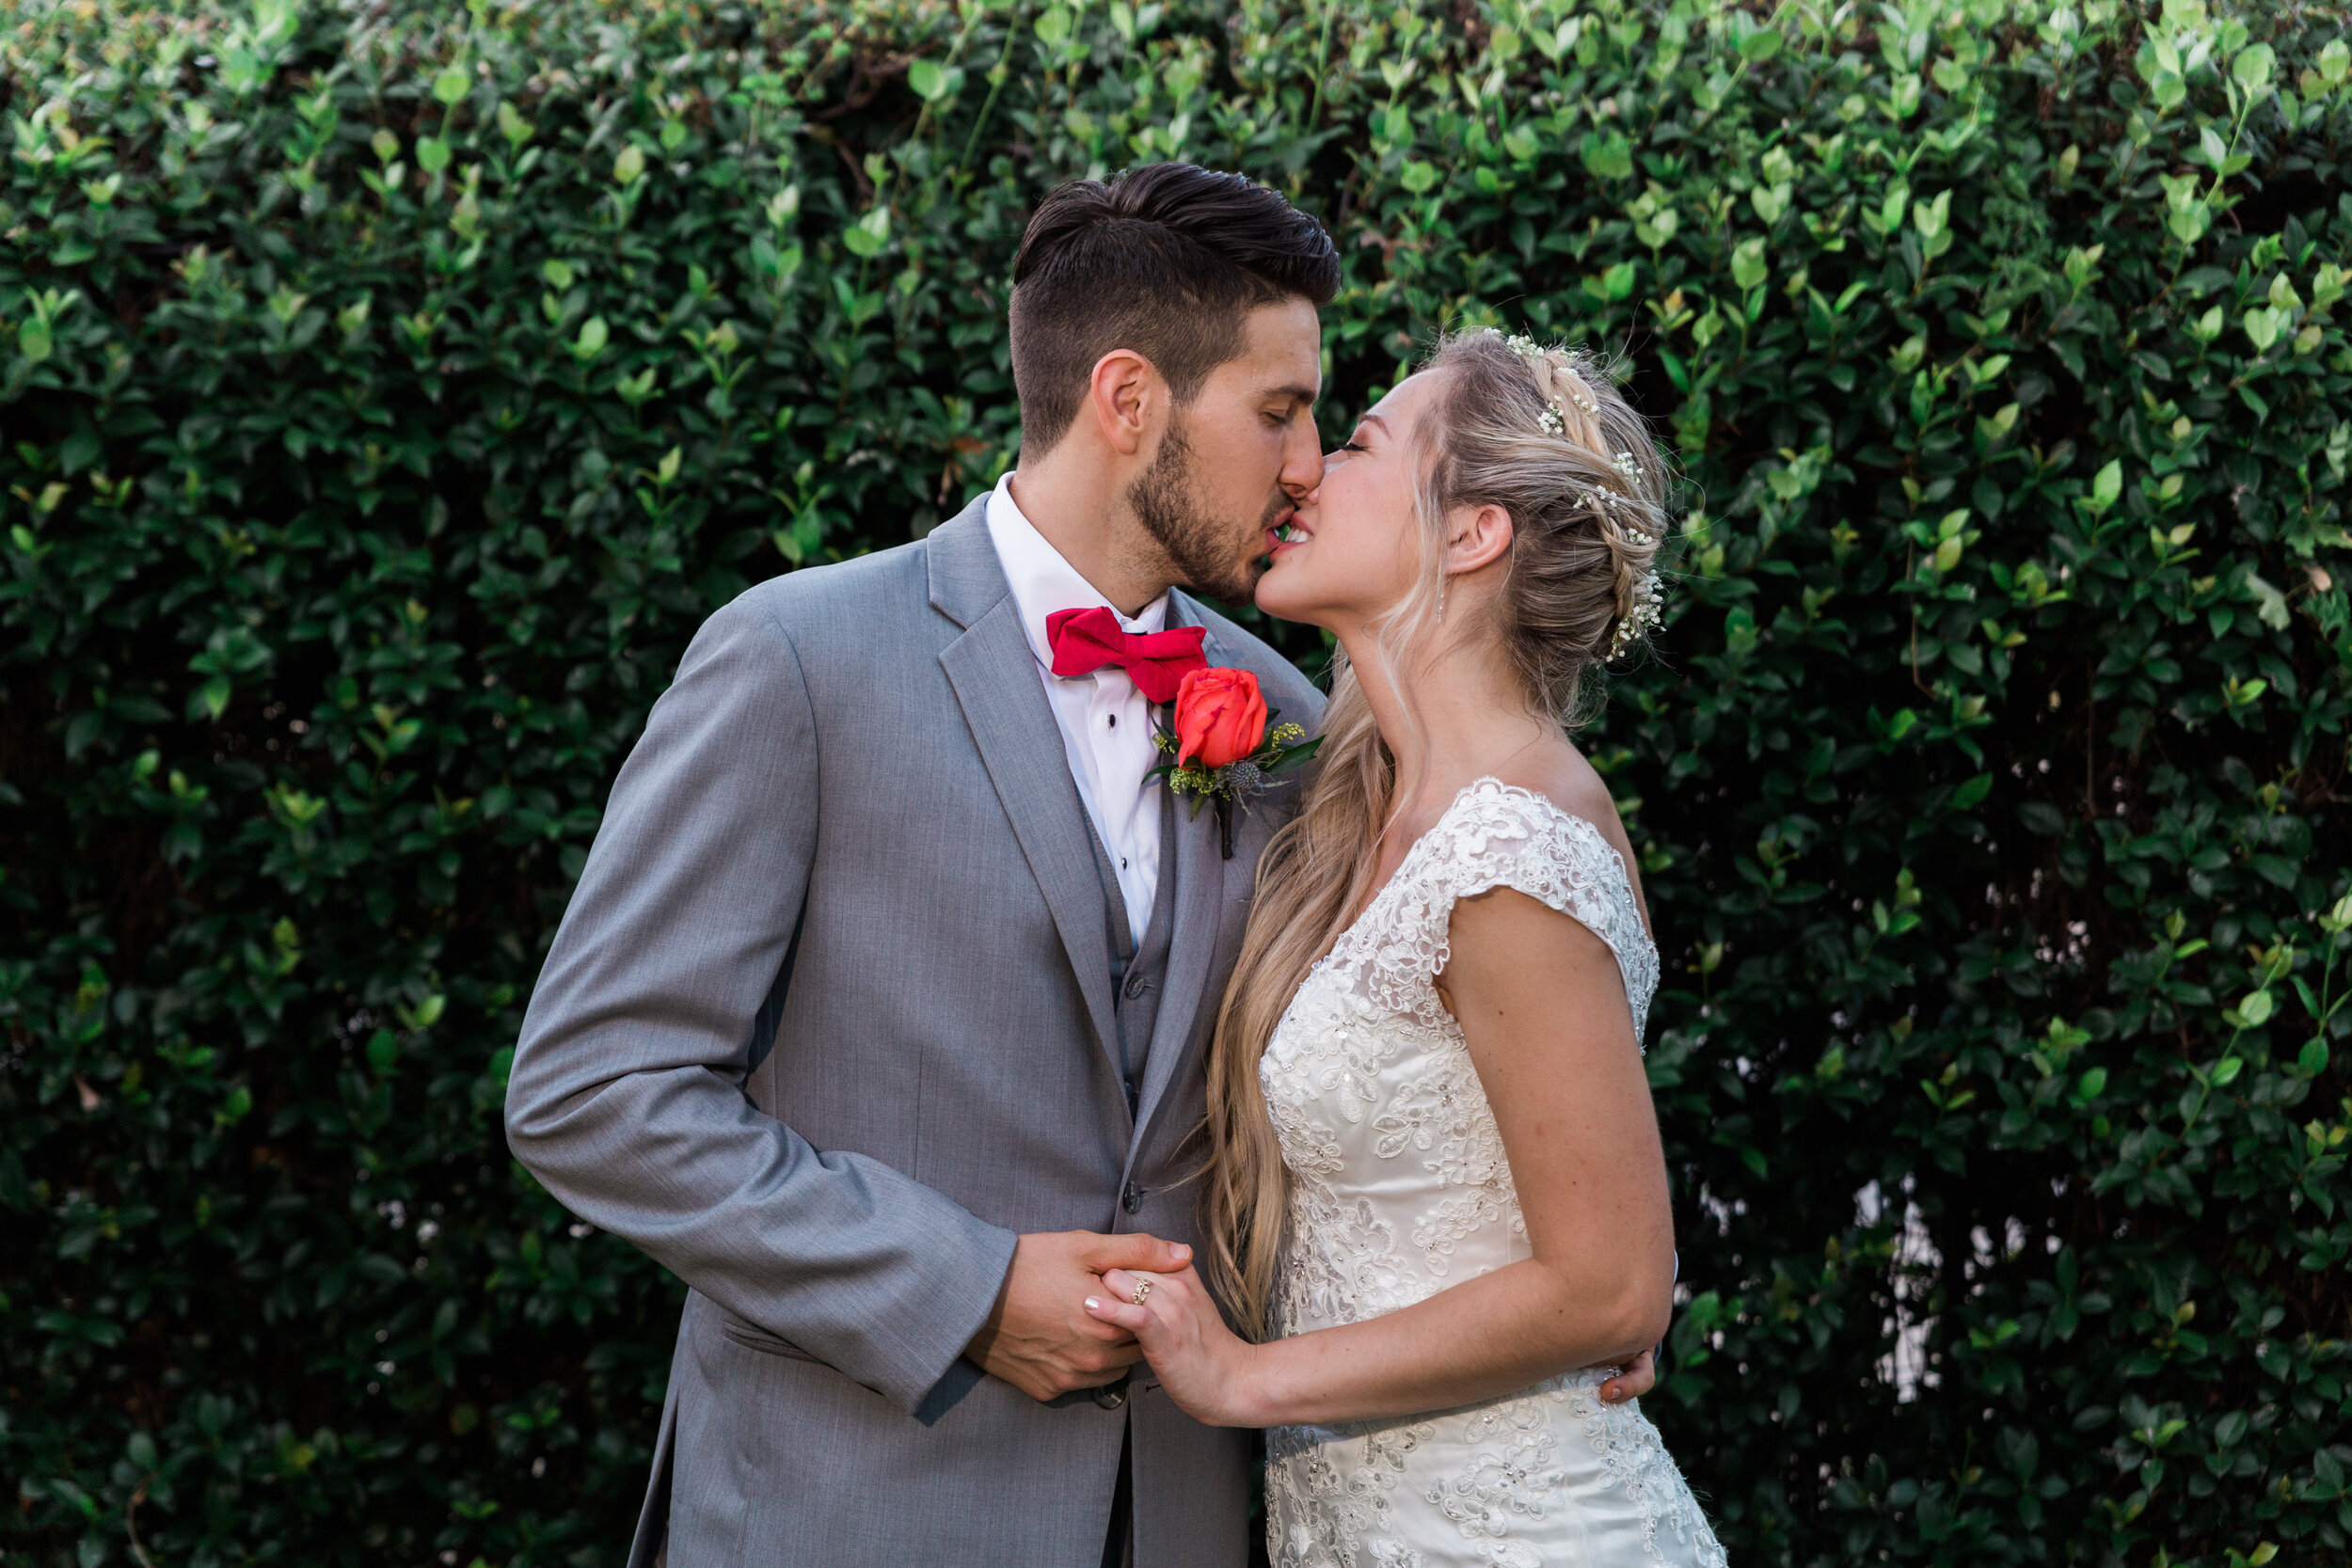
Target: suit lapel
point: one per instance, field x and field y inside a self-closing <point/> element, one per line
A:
<point x="995" y="682"/>
<point x="1200" y="870"/>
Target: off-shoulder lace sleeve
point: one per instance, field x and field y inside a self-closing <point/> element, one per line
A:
<point x="1497" y="835"/>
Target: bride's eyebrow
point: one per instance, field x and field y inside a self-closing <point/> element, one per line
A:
<point x="1375" y="418"/>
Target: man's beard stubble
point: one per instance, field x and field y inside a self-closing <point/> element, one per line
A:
<point x="1198" y="547"/>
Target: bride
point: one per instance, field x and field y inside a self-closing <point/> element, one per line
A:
<point x="1436" y="1186"/>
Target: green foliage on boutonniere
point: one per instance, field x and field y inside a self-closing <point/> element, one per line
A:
<point x="1284" y="748"/>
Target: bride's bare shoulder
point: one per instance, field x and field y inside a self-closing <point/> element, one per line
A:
<point x="1561" y="774"/>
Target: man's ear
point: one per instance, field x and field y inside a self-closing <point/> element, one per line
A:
<point x="1125" y="396"/>
<point x="1475" y="536"/>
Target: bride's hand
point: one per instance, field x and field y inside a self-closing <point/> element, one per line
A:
<point x="1202" y="1364"/>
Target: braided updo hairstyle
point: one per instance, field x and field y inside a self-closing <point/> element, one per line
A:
<point x="1544" y="434"/>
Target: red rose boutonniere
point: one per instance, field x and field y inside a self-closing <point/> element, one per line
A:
<point x="1224" y="744"/>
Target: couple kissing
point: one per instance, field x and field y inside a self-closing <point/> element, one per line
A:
<point x="1056" y="1048"/>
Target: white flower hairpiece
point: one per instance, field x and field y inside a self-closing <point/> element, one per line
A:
<point x="1649" y="592"/>
<point x="1649" y="604"/>
<point x="1597" y="498"/>
<point x="1552" y="419"/>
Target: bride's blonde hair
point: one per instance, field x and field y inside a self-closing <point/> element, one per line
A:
<point x="1542" y="434"/>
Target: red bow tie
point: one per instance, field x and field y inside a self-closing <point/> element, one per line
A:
<point x="1083" y="640"/>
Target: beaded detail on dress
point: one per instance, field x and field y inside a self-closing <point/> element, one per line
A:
<point x="1399" y="1187"/>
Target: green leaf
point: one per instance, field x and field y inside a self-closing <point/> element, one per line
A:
<point x="33" y="340"/>
<point x="2270" y="604"/>
<point x="211" y="700"/>
<point x="594" y="334"/>
<point x="433" y="154"/>
<point x="930" y="81"/>
<point x="449" y="86"/>
<point x="2106" y="487"/>
<point x="2252" y="68"/>
<point x="2041" y="817"/>
<point x="1607" y="154"/>
<point x="1294" y="755"/>
<point x="1929" y="217"/>
<point x="1748" y="269"/>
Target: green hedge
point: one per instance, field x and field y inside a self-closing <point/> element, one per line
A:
<point x="389" y="390"/>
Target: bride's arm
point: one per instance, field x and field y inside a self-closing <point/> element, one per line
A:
<point x="1542" y="1005"/>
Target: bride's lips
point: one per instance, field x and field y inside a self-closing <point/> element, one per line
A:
<point x="1299" y="535"/>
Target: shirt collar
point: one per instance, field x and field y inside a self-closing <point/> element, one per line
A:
<point x="1042" y="579"/>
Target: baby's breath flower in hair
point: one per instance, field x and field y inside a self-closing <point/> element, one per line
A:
<point x="1649" y="603"/>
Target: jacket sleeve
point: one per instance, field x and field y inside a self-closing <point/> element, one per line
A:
<point x="626" y="1099"/>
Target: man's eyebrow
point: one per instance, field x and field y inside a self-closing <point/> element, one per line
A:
<point x="1296" y="394"/>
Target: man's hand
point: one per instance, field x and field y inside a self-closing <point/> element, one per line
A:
<point x="1636" y="1379"/>
<point x="1040" y="1337"/>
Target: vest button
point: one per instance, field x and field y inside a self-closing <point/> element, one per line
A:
<point x="1136" y="986"/>
<point x="1132" y="1199"/>
<point x="1111" y="1398"/>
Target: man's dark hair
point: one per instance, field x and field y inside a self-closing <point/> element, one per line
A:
<point x="1164" y="261"/>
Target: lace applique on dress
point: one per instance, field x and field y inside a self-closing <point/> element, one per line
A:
<point x="1401" y="1187"/>
<point x="1494" y="835"/>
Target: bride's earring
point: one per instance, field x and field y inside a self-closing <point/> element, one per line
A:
<point x="1441" y="596"/>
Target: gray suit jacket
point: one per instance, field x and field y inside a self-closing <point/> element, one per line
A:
<point x="828" y="1023"/>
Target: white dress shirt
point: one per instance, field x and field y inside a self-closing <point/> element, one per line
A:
<point x="1105" y="722"/>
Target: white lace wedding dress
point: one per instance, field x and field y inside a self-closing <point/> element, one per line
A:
<point x="1401" y="1188"/>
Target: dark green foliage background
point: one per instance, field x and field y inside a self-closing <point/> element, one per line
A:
<point x="389" y="390"/>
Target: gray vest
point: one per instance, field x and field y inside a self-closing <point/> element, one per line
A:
<point x="1138" y="974"/>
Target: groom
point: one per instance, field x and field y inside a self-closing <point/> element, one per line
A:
<point x="877" y="1014"/>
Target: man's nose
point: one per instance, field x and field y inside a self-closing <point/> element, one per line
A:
<point x="1302" y="460"/>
